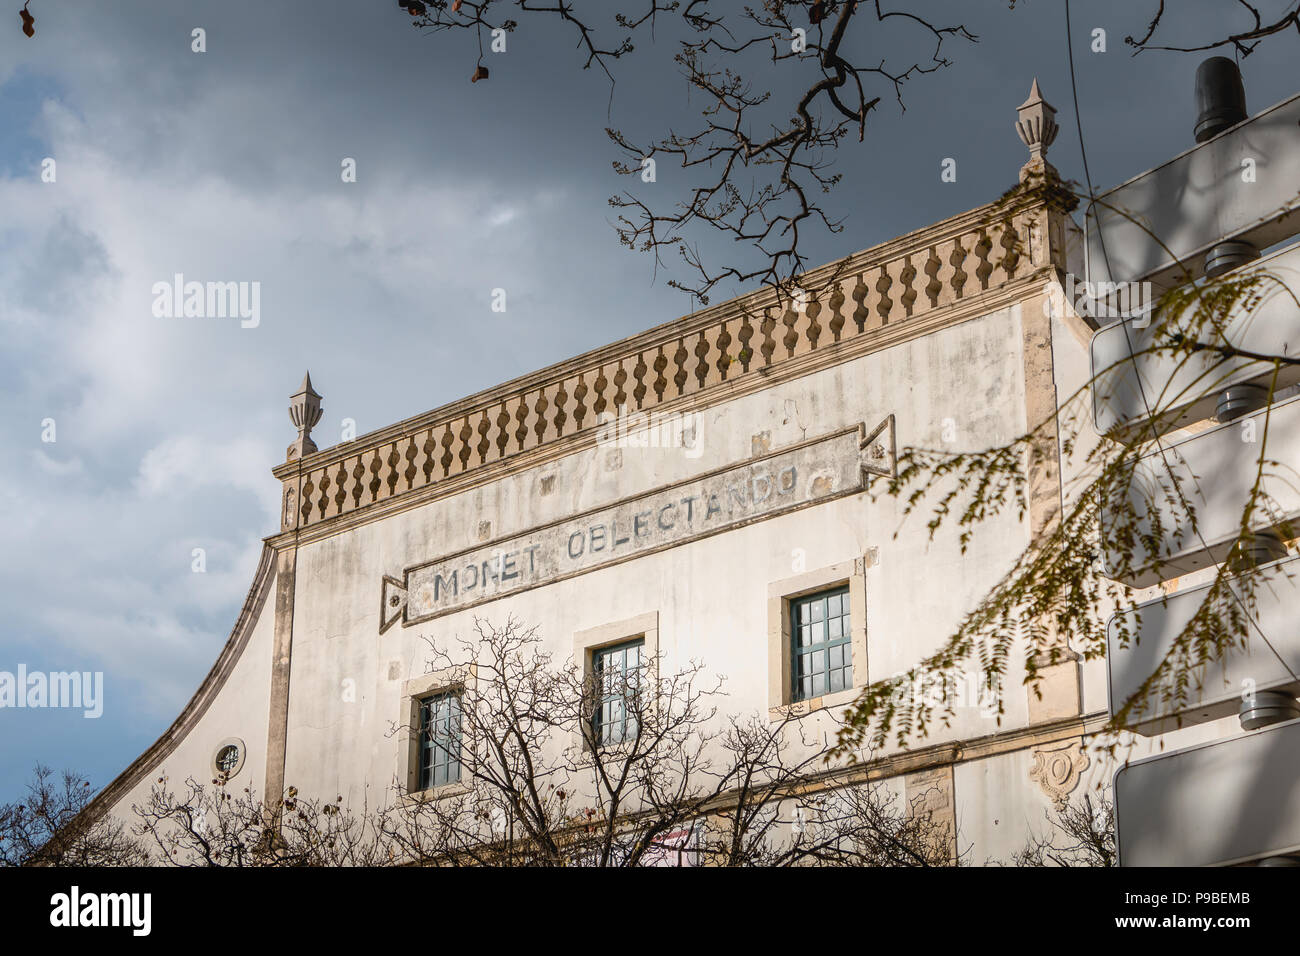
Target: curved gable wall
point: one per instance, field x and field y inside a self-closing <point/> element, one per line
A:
<point x="232" y="701"/>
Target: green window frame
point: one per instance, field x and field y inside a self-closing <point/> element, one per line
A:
<point x="616" y="675"/>
<point x="439" y="740"/>
<point x="821" y="644"/>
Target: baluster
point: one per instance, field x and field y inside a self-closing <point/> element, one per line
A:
<point x="428" y="448"/>
<point x="340" y="494"/>
<point x="358" y="483"/>
<point x="769" y="336"/>
<point x="521" y="424"/>
<point x="837" y="300"/>
<point x="307" y="489"/>
<point x="984" y="268"/>
<point x="933" y="287"/>
<point x="701" y="351"/>
<point x="503" y="430"/>
<point x="539" y="429"/>
<point x="724" y="359"/>
<point x="906" y="277"/>
<point x="580" y="402"/>
<point x="447" y="440"/>
<point x="639" y="372"/>
<point x="661" y="382"/>
<point x="814" y="330"/>
<point x="957" y="262"/>
<point x="885" y="303"/>
<point x="602" y="383"/>
<point x="463" y="440"/>
<point x="390" y="471"/>
<point x="484" y="445"/>
<point x="861" y="311"/>
<point x="746" y="334"/>
<point x="561" y="416"/>
<point x="680" y="357"/>
<point x="323" y="502"/>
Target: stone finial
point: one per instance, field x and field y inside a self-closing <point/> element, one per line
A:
<point x="304" y="411"/>
<point x="1036" y="124"/>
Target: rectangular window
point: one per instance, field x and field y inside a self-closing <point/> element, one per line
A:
<point x="616" y="677"/>
<point x="439" y="740"/>
<point x="820" y="644"/>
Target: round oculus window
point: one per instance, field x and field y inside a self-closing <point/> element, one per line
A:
<point x="229" y="757"/>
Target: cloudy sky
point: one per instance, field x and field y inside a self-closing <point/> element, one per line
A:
<point x="225" y="165"/>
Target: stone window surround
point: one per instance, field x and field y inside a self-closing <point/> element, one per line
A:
<point x="779" y="655"/>
<point x="587" y="642"/>
<point x="413" y="691"/>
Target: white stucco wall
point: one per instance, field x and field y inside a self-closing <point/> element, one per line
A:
<point x="710" y="594"/>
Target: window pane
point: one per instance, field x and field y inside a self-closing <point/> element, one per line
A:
<point x="439" y="742"/>
<point x="617" y="670"/>
<point x="820" y="656"/>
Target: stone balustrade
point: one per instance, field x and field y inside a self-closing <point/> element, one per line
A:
<point x="868" y="294"/>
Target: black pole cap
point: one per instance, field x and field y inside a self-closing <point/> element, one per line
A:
<point x="1220" y="97"/>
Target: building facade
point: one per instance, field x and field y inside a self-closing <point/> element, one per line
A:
<point x="702" y="490"/>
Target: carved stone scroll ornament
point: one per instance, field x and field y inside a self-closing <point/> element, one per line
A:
<point x="1057" y="770"/>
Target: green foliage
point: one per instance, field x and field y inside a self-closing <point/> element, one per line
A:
<point x="1054" y="602"/>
